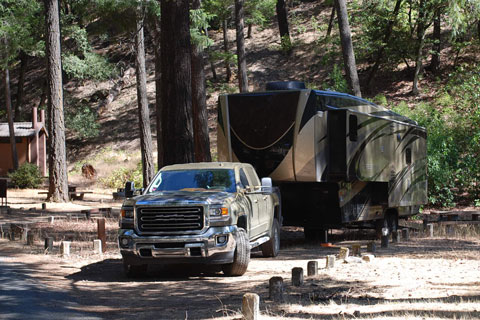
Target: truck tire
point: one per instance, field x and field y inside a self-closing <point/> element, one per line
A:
<point x="272" y="246"/>
<point x="241" y="257"/>
<point x="135" y="271"/>
<point x="390" y="221"/>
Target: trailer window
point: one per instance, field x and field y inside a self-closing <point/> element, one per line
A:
<point x="408" y="155"/>
<point x="352" y="127"/>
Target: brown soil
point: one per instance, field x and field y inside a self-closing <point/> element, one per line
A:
<point x="422" y="278"/>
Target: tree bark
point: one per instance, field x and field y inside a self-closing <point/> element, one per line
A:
<point x="228" y="70"/>
<point x="330" y="22"/>
<point x="386" y="40"/>
<point x="249" y="31"/>
<point x="21" y="84"/>
<point x="158" y="90"/>
<point x="199" y="103"/>
<point x="177" y="128"/>
<point x="437" y="45"/>
<point x="148" y="168"/>
<point x="420" y="45"/>
<point x="11" y="128"/>
<point x="242" y="61"/>
<point x="282" y="18"/>
<point x="58" y="179"/>
<point x="347" y="48"/>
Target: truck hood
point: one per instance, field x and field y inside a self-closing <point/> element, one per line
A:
<point x="183" y="197"/>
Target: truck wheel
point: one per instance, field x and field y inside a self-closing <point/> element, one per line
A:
<point x="272" y="246"/>
<point x="390" y="221"/>
<point x="134" y="271"/>
<point x="241" y="257"/>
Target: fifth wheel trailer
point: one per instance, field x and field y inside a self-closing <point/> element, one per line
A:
<point x="339" y="160"/>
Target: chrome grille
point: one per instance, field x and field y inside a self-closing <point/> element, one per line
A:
<point x="170" y="219"/>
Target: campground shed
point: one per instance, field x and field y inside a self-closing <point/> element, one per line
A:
<point x="31" y="143"/>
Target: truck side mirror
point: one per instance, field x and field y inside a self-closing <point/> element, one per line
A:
<point x="267" y="184"/>
<point x="129" y="189"/>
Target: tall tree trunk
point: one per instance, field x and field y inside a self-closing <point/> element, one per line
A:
<point x="386" y="40"/>
<point x="347" y="48"/>
<point x="158" y="90"/>
<point x="242" y="60"/>
<point x="199" y="103"/>
<point x="43" y="96"/>
<point x="148" y="168"/>
<point x="8" y="104"/>
<point x="330" y="22"/>
<point x="437" y="44"/>
<point x="177" y="128"/>
<point x="57" y="162"/>
<point x="21" y="84"/>
<point x="282" y="18"/>
<point x="228" y="70"/>
<point x="420" y="44"/>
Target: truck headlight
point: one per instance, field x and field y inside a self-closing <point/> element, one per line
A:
<point x="218" y="211"/>
<point x="126" y="212"/>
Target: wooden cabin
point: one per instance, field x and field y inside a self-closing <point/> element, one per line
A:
<point x="31" y="143"/>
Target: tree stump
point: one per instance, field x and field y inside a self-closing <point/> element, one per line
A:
<point x="275" y="289"/>
<point x="251" y="306"/>
<point x="297" y="277"/>
<point x="312" y="268"/>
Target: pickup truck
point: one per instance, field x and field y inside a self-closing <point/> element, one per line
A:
<point x="208" y="213"/>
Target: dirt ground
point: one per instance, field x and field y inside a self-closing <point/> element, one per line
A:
<point x="424" y="278"/>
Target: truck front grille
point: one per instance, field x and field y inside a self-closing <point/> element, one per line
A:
<point x="170" y="219"/>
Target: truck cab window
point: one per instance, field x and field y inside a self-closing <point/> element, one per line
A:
<point x="243" y="179"/>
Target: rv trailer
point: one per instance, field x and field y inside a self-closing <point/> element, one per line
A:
<point x="339" y="160"/>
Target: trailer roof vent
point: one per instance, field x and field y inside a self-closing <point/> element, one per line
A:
<point x="285" y="85"/>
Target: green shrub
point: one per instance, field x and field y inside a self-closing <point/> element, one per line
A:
<point x="380" y="99"/>
<point x="118" y="177"/>
<point x="27" y="176"/>
<point x="81" y="119"/>
<point x="337" y="80"/>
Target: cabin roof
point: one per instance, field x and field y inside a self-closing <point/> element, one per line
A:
<point x="22" y="129"/>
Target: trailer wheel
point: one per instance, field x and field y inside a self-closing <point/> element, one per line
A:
<point x="272" y="246"/>
<point x="241" y="257"/>
<point x="135" y="271"/>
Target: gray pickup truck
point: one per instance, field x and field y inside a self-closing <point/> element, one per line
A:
<point x="208" y="213"/>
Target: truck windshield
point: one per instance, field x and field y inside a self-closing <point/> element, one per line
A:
<point x="191" y="180"/>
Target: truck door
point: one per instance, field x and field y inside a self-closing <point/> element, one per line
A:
<point x="265" y="201"/>
<point x="255" y="201"/>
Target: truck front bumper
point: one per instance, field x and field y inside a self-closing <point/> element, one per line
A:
<point x="215" y="246"/>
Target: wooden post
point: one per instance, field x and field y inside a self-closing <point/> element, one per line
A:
<point x="356" y="250"/>
<point x="396" y="237"/>
<point x="97" y="246"/>
<point x="44" y="206"/>
<point x="51" y="219"/>
<point x="312" y="268"/>
<point x="251" y="306"/>
<point x="297" y="277"/>
<point x="371" y="247"/>
<point x="430" y="230"/>
<point x="101" y="233"/>
<point x="24" y="234"/>
<point x="30" y="239"/>
<point x="331" y="261"/>
<point x="343" y="254"/>
<point x="406" y="234"/>
<point x="48" y="244"/>
<point x="275" y="289"/>
<point x="385" y="238"/>
<point x="65" y="248"/>
<point x="449" y="230"/>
